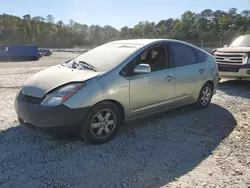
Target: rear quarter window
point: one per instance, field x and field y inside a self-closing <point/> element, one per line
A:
<point x="183" y="54"/>
<point x="201" y="56"/>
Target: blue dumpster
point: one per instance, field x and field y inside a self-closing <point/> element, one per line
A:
<point x="19" y="53"/>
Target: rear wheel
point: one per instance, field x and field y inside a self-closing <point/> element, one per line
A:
<point x="101" y="124"/>
<point x="205" y="96"/>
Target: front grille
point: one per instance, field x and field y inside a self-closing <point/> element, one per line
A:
<point x="30" y="99"/>
<point x="232" y="57"/>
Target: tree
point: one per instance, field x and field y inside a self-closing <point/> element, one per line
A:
<point x="206" y="27"/>
<point x="138" y="30"/>
<point x="50" y="18"/>
<point x="125" y="32"/>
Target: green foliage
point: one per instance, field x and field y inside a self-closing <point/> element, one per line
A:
<point x="207" y="27"/>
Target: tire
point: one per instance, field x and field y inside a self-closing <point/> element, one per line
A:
<point x="95" y="128"/>
<point x="204" y="99"/>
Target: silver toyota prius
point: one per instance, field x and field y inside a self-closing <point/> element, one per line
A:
<point x="93" y="94"/>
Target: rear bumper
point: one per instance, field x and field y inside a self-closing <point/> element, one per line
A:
<point x="234" y="71"/>
<point x="50" y="121"/>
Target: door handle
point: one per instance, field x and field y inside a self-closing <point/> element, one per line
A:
<point x="201" y="71"/>
<point x="169" y="78"/>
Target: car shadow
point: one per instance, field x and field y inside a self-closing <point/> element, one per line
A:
<point x="150" y="152"/>
<point x="239" y="88"/>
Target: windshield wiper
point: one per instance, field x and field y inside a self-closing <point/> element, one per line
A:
<point x="82" y="63"/>
<point x="89" y="65"/>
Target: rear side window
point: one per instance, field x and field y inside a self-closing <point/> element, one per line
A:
<point x="201" y="56"/>
<point x="183" y="54"/>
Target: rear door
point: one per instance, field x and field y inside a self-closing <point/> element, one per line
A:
<point x="189" y="72"/>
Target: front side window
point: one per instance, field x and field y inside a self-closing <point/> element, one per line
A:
<point x="155" y="57"/>
<point x="183" y="54"/>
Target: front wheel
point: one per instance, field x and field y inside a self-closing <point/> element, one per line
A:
<point x="205" y="96"/>
<point x="101" y="124"/>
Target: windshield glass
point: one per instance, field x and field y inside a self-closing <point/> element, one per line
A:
<point x="105" y="57"/>
<point x="242" y="41"/>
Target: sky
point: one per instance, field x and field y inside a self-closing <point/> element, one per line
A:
<point x="116" y="13"/>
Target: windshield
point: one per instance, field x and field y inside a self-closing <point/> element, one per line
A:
<point x="105" y="57"/>
<point x="242" y="41"/>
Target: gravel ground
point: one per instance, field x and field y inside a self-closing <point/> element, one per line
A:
<point x="182" y="148"/>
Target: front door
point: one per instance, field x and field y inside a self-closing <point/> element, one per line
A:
<point x="154" y="91"/>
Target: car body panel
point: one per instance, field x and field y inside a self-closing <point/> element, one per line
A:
<point x="234" y="60"/>
<point x="44" y="81"/>
<point x="189" y="80"/>
<point x="149" y="91"/>
<point x="242" y="73"/>
<point x="108" y="86"/>
<point x="42" y="116"/>
<point x="234" y="49"/>
<point x="137" y="95"/>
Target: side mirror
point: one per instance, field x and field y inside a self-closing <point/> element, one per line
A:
<point x="225" y="46"/>
<point x="142" y="69"/>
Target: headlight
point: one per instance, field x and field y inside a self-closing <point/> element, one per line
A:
<point x="246" y="58"/>
<point x="62" y="94"/>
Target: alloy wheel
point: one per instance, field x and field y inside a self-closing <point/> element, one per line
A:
<point x="206" y="95"/>
<point x="103" y="123"/>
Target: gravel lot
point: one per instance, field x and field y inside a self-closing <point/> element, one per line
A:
<point x="182" y="148"/>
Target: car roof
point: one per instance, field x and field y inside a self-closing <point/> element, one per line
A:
<point x="115" y="52"/>
<point x="144" y="42"/>
<point x="138" y="41"/>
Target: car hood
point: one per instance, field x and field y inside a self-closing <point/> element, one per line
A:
<point x="234" y="49"/>
<point x="46" y="80"/>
